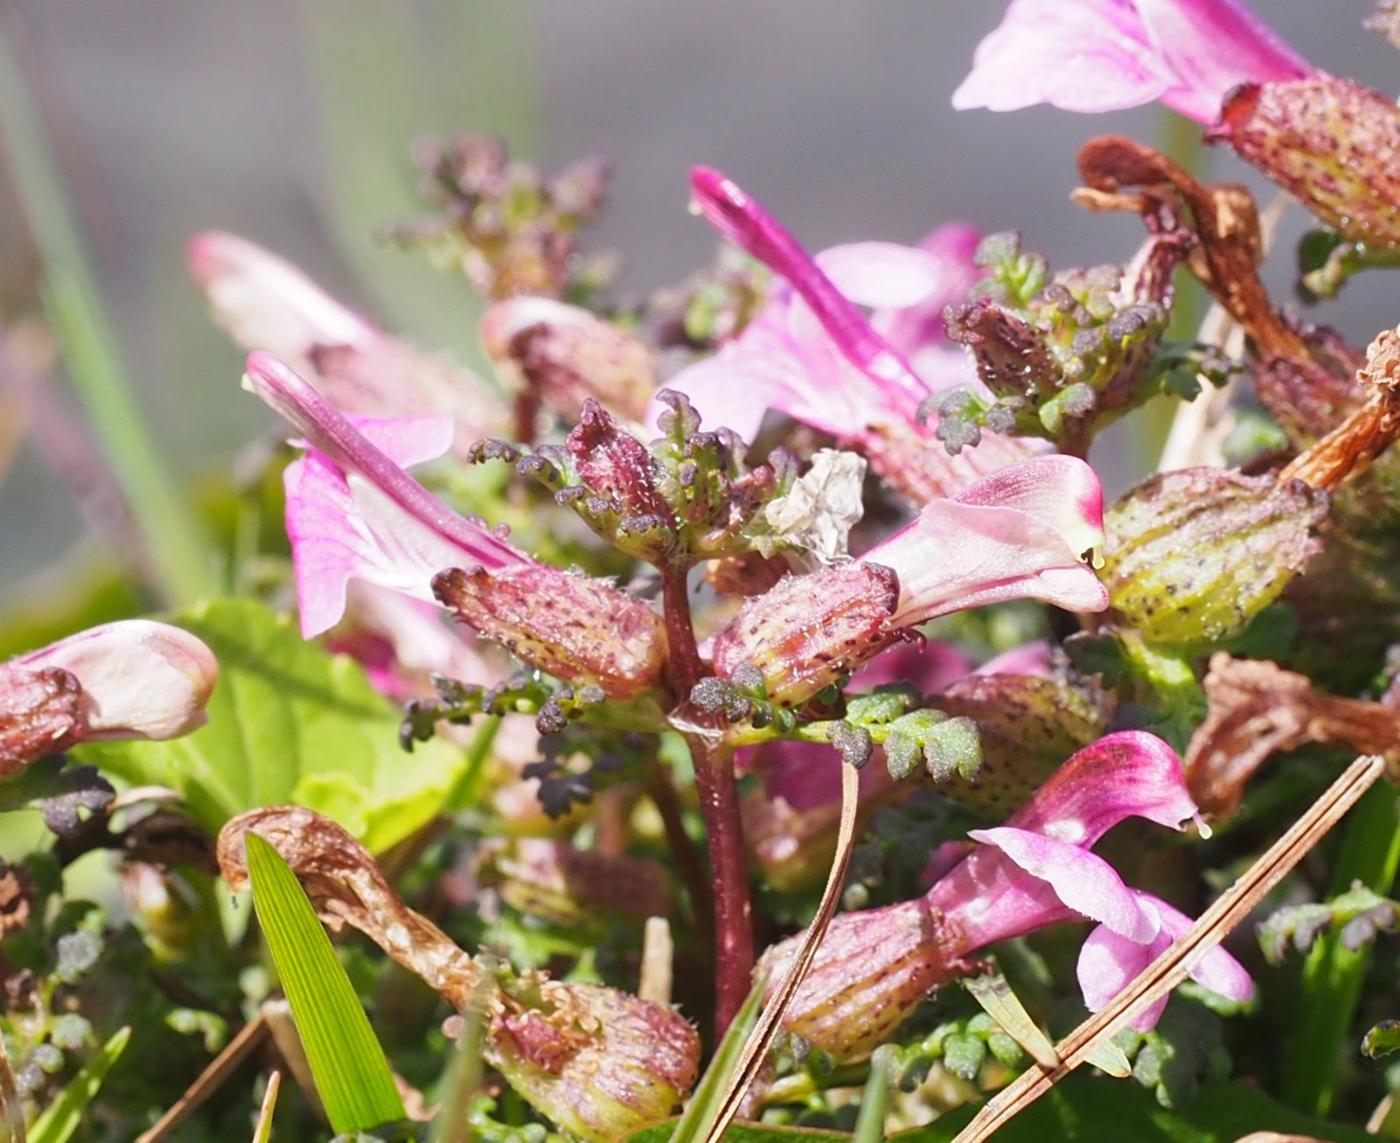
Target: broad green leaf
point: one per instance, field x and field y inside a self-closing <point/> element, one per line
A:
<point x="352" y="1076"/>
<point x="290" y="723"/>
<point x="63" y="1116"/>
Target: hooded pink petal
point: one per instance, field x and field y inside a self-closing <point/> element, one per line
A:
<point x="352" y="510"/>
<point x="264" y="302"/>
<point x="1127" y="774"/>
<point x="267" y="304"/>
<point x="1084" y="882"/>
<point x="1017" y="534"/>
<point x="1104" y="55"/>
<point x="1109" y="962"/>
<point x="1214" y="45"/>
<point x="139" y="679"/>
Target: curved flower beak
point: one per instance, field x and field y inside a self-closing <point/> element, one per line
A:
<point x="353" y="512"/>
<point x="1104" y="55"/>
<point x="136" y="679"/>
<point x="1127" y="774"/>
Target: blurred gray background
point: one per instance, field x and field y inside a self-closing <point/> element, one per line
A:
<point x="290" y="122"/>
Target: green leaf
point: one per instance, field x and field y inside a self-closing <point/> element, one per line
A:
<point x="352" y="1076"/>
<point x="64" y="1115"/>
<point x="1094" y="1109"/>
<point x="290" y="723"/>
<point x="1382" y="1040"/>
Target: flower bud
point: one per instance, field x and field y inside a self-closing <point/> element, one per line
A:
<point x="572" y="887"/>
<point x="871" y="970"/>
<point x="620" y="495"/>
<point x="563" y="355"/>
<point x="596" y="1061"/>
<point x="571" y="626"/>
<point x="1193" y="555"/>
<point x="1332" y="144"/>
<point x="131" y="679"/>
<point x="806" y="632"/>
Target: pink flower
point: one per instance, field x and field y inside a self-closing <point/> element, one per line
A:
<point x="1104" y="55"/>
<point x="813" y="354"/>
<point x="1017" y="534"/>
<point x="354" y="513"/>
<point x="131" y="679"/>
<point x="267" y="304"/>
<point x="874" y="966"/>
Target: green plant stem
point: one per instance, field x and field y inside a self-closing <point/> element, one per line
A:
<point x="1332" y="975"/>
<point x="173" y="535"/>
<point x="719" y="805"/>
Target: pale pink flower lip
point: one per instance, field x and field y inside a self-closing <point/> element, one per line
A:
<point x="1018" y="533"/>
<point x="352" y="510"/>
<point x="1105" y="55"/>
<point x="139" y="678"/>
<point x="1108" y="962"/>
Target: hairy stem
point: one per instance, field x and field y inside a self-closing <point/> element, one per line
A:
<point x="719" y="805"/>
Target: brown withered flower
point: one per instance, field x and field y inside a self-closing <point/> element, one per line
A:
<point x="1258" y="709"/>
<point x="596" y="1061"/>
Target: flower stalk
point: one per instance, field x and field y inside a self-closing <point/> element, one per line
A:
<point x="719" y="805"/>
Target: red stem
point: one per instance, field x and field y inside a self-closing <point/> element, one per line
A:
<point x="719" y="805"/>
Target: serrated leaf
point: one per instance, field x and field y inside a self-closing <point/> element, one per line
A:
<point x="289" y="722"/>
<point x="352" y="1076"/>
<point x="64" y="1115"/>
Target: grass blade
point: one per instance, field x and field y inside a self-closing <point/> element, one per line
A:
<point x="875" y="1101"/>
<point x="707" y="1102"/>
<point x="262" y="1130"/>
<point x="64" y="1115"/>
<point x="352" y="1076"/>
<point x="173" y="534"/>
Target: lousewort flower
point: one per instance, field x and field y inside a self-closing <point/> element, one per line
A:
<point x="1017" y="534"/>
<point x="813" y="354"/>
<point x="131" y="679"/>
<point x="266" y="303"/>
<point x="353" y="513"/>
<point x="1104" y="55"/>
<point x="874" y="966"/>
